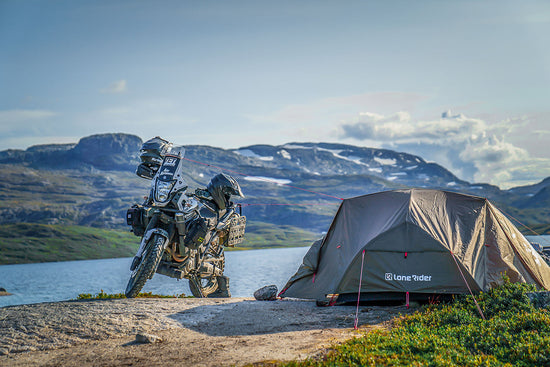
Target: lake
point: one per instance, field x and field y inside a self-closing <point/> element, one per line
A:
<point x="59" y="281"/>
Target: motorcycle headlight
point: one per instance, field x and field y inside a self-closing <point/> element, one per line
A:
<point x="162" y="191"/>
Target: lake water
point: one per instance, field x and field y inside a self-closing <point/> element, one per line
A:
<point x="58" y="281"/>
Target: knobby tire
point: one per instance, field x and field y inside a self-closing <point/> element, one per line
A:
<point x="147" y="266"/>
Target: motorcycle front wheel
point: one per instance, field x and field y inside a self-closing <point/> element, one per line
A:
<point x="147" y="266"/>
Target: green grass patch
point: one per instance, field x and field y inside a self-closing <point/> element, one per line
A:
<point x="534" y="230"/>
<point x="103" y="295"/>
<point x="23" y="243"/>
<point x="266" y="235"/>
<point x="32" y="242"/>
<point x="514" y="334"/>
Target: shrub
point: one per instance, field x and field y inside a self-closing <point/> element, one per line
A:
<point x="513" y="334"/>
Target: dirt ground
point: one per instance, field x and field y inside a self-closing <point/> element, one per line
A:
<point x="194" y="332"/>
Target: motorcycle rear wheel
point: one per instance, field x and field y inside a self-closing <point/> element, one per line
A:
<point x="206" y="285"/>
<point x="147" y="267"/>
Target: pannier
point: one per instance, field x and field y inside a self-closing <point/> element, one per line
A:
<point x="135" y="217"/>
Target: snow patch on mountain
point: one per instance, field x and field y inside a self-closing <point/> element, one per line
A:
<point x="251" y="154"/>
<point x="385" y="161"/>
<point x="278" y="181"/>
<point x="295" y="146"/>
<point x="285" y="154"/>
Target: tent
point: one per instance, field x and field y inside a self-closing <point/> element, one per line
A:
<point x="417" y="242"/>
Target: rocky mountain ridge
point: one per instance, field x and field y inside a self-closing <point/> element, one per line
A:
<point x="92" y="182"/>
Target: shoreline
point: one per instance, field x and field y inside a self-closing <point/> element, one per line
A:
<point x="194" y="331"/>
<point x="227" y="249"/>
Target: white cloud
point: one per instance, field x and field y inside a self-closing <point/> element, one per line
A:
<point x="23" y="122"/>
<point x="471" y="148"/>
<point x="118" y="86"/>
<point x="338" y="108"/>
<point x="20" y="116"/>
<point x="21" y="128"/>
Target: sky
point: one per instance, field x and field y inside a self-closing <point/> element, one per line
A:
<point x="465" y="84"/>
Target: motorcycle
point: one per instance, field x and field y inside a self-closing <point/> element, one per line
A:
<point x="183" y="234"/>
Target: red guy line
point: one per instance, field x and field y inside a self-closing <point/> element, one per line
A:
<point x="304" y="204"/>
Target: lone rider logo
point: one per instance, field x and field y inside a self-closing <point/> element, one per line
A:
<point x="408" y="278"/>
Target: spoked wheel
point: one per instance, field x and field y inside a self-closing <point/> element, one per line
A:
<point x="208" y="285"/>
<point x="147" y="267"/>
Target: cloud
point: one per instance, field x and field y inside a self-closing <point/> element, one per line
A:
<point x="19" y="127"/>
<point x="23" y="122"/>
<point x="338" y="108"/>
<point x="118" y="86"/>
<point x="400" y="127"/>
<point x="471" y="148"/>
<point x="18" y="116"/>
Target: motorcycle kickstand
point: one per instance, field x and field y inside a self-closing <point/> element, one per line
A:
<point x="193" y="279"/>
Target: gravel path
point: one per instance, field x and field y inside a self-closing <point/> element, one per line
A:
<point x="194" y="332"/>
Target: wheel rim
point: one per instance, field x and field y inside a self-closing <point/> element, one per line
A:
<point x="203" y="286"/>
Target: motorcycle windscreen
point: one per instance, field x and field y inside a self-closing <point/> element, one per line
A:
<point x="168" y="169"/>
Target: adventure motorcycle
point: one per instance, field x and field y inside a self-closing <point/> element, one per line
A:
<point x="183" y="235"/>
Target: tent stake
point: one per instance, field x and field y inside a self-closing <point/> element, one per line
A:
<point x="359" y="292"/>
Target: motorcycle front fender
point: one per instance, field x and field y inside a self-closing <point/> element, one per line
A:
<point x="148" y="235"/>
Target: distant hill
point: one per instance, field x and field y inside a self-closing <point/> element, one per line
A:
<point x="92" y="182"/>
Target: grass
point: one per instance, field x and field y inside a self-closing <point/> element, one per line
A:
<point x="538" y="229"/>
<point x="31" y="242"/>
<point x="103" y="295"/>
<point x="515" y="333"/>
<point x="23" y="243"/>
<point x="266" y="235"/>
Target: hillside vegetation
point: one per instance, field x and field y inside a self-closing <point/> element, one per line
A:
<point x="515" y="333"/>
<point x="23" y="243"/>
<point x="87" y="187"/>
<point x="31" y="242"/>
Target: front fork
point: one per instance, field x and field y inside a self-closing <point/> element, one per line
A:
<point x="149" y="232"/>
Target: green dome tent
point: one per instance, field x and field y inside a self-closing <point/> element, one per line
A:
<point x="419" y="242"/>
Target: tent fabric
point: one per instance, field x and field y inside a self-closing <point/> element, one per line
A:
<point x="410" y="238"/>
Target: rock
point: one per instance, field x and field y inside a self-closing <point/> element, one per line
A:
<point x="144" y="338"/>
<point x="540" y="299"/>
<point x="267" y="293"/>
<point x="4" y="292"/>
<point x="108" y="151"/>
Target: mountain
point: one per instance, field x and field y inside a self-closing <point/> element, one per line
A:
<point x="92" y="182"/>
<point x="533" y="196"/>
<point x="103" y="151"/>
